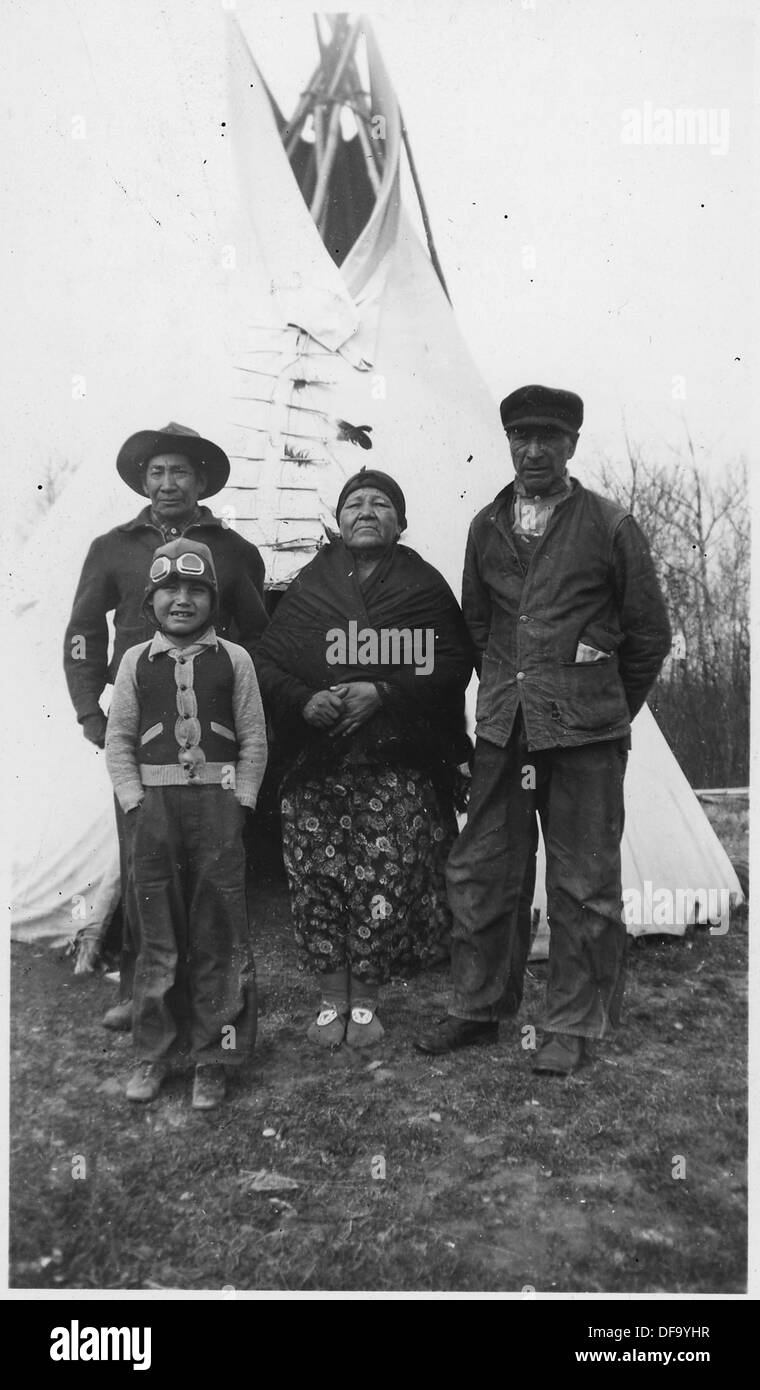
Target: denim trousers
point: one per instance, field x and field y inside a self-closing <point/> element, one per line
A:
<point x="578" y="794"/>
<point x="195" y="983"/>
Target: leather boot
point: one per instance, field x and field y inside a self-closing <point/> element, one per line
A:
<point x="560" y="1053"/>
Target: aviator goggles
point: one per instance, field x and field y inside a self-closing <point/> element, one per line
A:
<point x="191" y="565"/>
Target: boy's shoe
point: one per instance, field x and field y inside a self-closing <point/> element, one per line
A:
<point x="328" y="1028"/>
<point x="145" y="1081"/>
<point x="209" y="1086"/>
<point x="119" y="1016"/>
<point x="364" y="1027"/>
<point x="560" y="1054"/>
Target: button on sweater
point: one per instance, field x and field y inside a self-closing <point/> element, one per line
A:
<point x="186" y="717"/>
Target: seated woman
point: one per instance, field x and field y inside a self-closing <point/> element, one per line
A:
<point x="363" y="669"/>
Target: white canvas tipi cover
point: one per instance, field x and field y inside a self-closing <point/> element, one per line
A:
<point x="291" y="352"/>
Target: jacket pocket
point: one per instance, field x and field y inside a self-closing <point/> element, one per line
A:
<point x="605" y="639"/>
<point x="588" y="697"/>
<point x="151" y="733"/>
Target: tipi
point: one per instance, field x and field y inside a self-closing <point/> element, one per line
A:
<point x="342" y="348"/>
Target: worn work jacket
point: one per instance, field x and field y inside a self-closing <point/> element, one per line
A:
<point x="590" y="579"/>
<point x="113" y="579"/>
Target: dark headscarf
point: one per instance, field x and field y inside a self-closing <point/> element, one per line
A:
<point x="372" y="477"/>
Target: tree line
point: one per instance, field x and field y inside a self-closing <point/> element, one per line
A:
<point x="698" y="527"/>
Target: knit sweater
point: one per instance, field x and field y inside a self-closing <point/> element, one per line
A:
<point x="187" y="717"/>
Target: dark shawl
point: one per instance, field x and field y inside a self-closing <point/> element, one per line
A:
<point x="421" y="721"/>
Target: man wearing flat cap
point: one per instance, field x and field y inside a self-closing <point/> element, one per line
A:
<point x="563" y="604"/>
<point x="174" y="468"/>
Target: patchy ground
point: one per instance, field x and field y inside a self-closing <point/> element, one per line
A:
<point x="386" y="1171"/>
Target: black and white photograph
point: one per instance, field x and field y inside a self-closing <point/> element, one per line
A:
<point x="390" y="365"/>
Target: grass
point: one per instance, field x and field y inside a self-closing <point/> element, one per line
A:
<point x="629" y="1177"/>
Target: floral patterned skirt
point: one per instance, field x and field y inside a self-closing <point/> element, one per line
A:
<point x="365" y="849"/>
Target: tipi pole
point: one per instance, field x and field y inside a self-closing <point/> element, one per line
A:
<point x="331" y="145"/>
<point x="325" y="51"/>
<point x="333" y="132"/>
<point x="368" y="150"/>
<point x="362" y="114"/>
<point x="423" y="209"/>
<point x="302" y="111"/>
<point x="311" y="93"/>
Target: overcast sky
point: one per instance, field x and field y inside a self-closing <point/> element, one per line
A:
<point x="620" y="269"/>
<point x="589" y="240"/>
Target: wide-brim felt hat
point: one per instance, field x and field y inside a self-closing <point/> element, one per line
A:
<point x="172" y="439"/>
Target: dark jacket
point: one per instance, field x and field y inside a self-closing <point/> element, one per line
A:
<point x="113" y="579"/>
<point x="590" y="579"/>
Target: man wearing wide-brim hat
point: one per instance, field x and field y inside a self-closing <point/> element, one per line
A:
<point x="567" y="617"/>
<point x="174" y="468"/>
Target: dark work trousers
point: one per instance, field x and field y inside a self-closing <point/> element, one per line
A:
<point x="578" y="793"/>
<point x="129" y="923"/>
<point x="195" y="981"/>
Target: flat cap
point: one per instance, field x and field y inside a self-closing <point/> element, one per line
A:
<point x="543" y="405"/>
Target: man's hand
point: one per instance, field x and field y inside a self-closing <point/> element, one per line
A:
<point x="94" y="729"/>
<point x="323" y="709"/>
<point x="360" y="701"/>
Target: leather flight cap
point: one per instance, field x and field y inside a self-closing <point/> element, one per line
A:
<point x="172" y="439"/>
<point x="203" y="571"/>
<point x="172" y="559"/>
<point x="542" y="405"/>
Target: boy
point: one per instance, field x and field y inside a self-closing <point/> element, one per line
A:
<point x="186" y="751"/>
